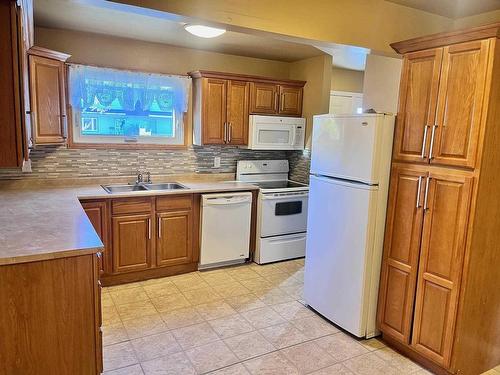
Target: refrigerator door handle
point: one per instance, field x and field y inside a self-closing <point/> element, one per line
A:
<point x="419" y="188"/>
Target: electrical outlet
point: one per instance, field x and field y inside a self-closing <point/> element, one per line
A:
<point x="217" y="162"/>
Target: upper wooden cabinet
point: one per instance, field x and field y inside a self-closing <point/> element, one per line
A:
<point x="441" y="104"/>
<point x="275" y="99"/>
<point x="460" y="104"/>
<point x="223" y="101"/>
<point x="417" y="105"/>
<point x="48" y="95"/>
<point x="264" y="98"/>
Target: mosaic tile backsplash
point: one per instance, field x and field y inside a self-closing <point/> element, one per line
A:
<point x="300" y="164"/>
<point x="61" y="162"/>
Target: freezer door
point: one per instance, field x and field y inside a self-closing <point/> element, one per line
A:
<point x="350" y="147"/>
<point x="340" y="231"/>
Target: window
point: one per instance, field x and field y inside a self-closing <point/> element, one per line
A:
<point x="112" y="106"/>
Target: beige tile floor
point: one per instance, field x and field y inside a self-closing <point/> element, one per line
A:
<point x="241" y="320"/>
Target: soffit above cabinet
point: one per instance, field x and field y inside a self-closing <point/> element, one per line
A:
<point x="244" y="77"/>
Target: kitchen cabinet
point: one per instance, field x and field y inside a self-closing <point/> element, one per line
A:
<point x="275" y="99"/>
<point x="12" y="141"/>
<point x="264" y="98"/>
<point x="131" y="242"/>
<point x="174" y="238"/>
<point x="97" y="213"/>
<point x="441" y="247"/>
<point x="417" y="104"/>
<point x="442" y="92"/>
<point x="51" y="318"/>
<point x="222" y="103"/>
<point x="48" y="95"/>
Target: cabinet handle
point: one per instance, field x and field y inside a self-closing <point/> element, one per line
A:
<point x="426" y="193"/>
<point x="418" y="190"/>
<point x="432" y="141"/>
<point x="149" y="228"/>
<point x="159" y="227"/>
<point x="229" y="132"/>
<point x="225" y="132"/>
<point x="426" y="128"/>
<point x="277" y="99"/>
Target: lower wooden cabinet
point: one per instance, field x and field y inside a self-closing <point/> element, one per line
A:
<point x="131" y="242"/>
<point x="97" y="213"/>
<point x="148" y="236"/>
<point x="50" y="320"/>
<point x="423" y="258"/>
<point x="174" y="238"/>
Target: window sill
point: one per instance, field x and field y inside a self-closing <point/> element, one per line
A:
<point x="128" y="146"/>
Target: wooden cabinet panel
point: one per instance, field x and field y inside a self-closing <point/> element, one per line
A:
<point x="174" y="241"/>
<point x="290" y="103"/>
<point x="401" y="252"/>
<point x="48" y="319"/>
<point x="179" y="202"/>
<point x="264" y="98"/>
<point x="237" y="112"/>
<point x="417" y="105"/>
<point x="11" y="139"/>
<point x="48" y="104"/>
<point x="460" y="104"/>
<point x="214" y="110"/>
<point x="96" y="212"/>
<point x="131" y="242"/>
<point x="131" y="205"/>
<point x="441" y="262"/>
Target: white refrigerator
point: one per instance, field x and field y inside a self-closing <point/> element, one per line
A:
<point x="350" y="167"/>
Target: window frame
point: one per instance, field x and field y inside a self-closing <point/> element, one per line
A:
<point x="71" y="143"/>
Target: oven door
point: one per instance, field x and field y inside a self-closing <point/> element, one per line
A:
<point x="283" y="213"/>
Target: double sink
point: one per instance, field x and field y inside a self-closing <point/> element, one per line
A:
<point x="114" y="189"/>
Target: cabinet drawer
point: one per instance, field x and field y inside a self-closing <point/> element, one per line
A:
<point x="174" y="202"/>
<point x="131" y="205"/>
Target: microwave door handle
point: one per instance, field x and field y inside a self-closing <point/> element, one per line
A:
<point x="294" y="134"/>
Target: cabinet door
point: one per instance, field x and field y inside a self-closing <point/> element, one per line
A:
<point x="214" y="110"/>
<point x="401" y="253"/>
<point x="417" y="105"/>
<point x="460" y="104"/>
<point x="96" y="212"/>
<point x="237" y="112"/>
<point x="131" y="242"/>
<point x="174" y="242"/>
<point x="47" y="99"/>
<point x="290" y="100"/>
<point x="442" y="252"/>
<point x="11" y="147"/>
<point x="263" y="98"/>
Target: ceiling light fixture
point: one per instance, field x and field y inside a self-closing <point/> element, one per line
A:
<point x="204" y="31"/>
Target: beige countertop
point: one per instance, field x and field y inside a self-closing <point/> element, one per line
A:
<point x="39" y="222"/>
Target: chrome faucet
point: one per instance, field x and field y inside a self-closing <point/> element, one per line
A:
<point x="148" y="178"/>
<point x="139" y="178"/>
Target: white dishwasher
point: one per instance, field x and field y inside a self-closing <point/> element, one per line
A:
<point x="225" y="229"/>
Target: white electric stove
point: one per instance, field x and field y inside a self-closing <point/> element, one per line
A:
<point x="282" y="210"/>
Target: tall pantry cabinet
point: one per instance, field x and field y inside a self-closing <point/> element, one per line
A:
<point x="440" y="282"/>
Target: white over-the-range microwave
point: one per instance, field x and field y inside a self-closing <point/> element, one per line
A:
<point x="276" y="133"/>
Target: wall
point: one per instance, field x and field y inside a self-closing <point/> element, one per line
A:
<point x="477" y="20"/>
<point x="347" y="80"/>
<point x="382" y="75"/>
<point x="124" y="53"/>
<point x="60" y="162"/>
<point x="366" y="23"/>
<point x="317" y="72"/>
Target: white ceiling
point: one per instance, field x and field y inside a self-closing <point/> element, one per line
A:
<point x="108" y="18"/>
<point x="451" y="8"/>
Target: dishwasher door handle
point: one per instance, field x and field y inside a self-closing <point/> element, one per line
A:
<point x="227" y="202"/>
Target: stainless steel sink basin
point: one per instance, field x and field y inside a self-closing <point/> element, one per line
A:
<point x="112" y="189"/>
<point x="165" y="186"/>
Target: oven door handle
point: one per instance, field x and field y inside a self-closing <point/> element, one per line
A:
<point x="288" y="239"/>
<point x="279" y="197"/>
